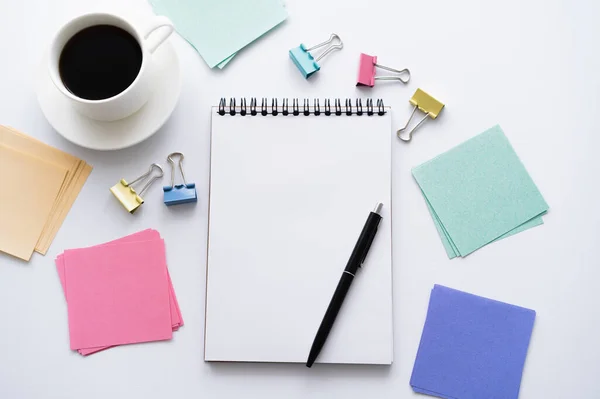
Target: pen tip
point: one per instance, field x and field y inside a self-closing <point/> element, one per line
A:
<point x="309" y="363"/>
<point x="378" y="207"/>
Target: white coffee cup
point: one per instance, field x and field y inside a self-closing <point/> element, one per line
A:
<point x="136" y="95"/>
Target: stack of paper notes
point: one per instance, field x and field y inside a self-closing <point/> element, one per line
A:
<point x="219" y="29"/>
<point x="471" y="347"/>
<point x="39" y="186"/>
<point x="119" y="293"/>
<point x="479" y="192"/>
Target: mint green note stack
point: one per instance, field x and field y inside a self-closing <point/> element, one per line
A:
<point x="479" y="192"/>
<point x="218" y="29"/>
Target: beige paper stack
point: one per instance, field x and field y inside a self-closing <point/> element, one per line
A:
<point x="38" y="186"/>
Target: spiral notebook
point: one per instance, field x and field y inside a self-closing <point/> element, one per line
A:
<point x="291" y="186"/>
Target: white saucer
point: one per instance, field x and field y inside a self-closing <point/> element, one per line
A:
<point x="119" y="134"/>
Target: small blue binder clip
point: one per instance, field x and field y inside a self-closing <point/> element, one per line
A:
<point x="180" y="193"/>
<point x="304" y="60"/>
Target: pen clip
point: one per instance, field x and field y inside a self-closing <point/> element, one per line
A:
<point x="368" y="247"/>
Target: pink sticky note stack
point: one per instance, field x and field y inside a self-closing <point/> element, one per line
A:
<point x="119" y="293"/>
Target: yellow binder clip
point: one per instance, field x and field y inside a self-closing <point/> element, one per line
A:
<point x="127" y="196"/>
<point x="425" y="103"/>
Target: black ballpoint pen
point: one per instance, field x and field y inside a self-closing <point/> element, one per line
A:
<point x="356" y="260"/>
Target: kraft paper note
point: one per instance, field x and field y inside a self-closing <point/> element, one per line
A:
<point x="30" y="187"/>
<point x="77" y="172"/>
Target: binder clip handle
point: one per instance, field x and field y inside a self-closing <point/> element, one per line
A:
<point x="173" y="167"/>
<point x="338" y="46"/>
<point x="401" y="73"/>
<point x="150" y="180"/>
<point x="410" y="133"/>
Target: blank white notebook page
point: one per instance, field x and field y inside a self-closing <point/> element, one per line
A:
<point x="289" y="196"/>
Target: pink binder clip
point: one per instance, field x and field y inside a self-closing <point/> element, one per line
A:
<point x="366" y="72"/>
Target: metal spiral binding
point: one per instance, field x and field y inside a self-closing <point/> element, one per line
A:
<point x="327" y="107"/>
<point x="263" y="107"/>
<point x="243" y="107"/>
<point x="359" y="111"/>
<point x="349" y="108"/>
<point x="380" y="107"/>
<point x="285" y="111"/>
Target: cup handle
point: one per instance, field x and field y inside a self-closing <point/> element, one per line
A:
<point x="154" y="42"/>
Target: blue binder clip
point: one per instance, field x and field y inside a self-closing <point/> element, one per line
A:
<point x="180" y="193"/>
<point x="305" y="61"/>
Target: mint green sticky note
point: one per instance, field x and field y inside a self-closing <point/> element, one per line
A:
<point x="222" y="64"/>
<point x="479" y="192"/>
<point x="446" y="241"/>
<point x="449" y="246"/>
<point x="184" y="35"/>
<point x="219" y="29"/>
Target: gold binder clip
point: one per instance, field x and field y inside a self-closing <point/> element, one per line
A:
<point x="127" y="196"/>
<point x="425" y="103"/>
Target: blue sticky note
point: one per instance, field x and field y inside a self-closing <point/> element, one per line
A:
<point x="471" y="347"/>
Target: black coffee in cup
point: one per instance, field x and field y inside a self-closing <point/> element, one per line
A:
<point x="100" y="62"/>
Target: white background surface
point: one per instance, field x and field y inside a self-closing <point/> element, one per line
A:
<point x="531" y="66"/>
